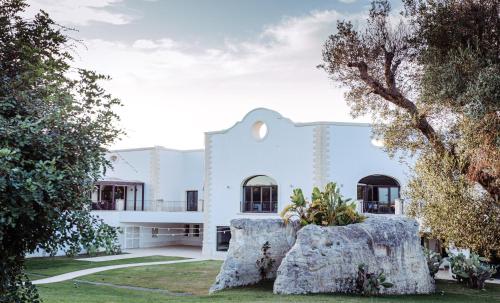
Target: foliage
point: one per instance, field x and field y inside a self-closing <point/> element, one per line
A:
<point x="454" y="210"/>
<point x="472" y="271"/>
<point x="369" y="284"/>
<point x="55" y="124"/>
<point x="266" y="263"/>
<point x="430" y="79"/>
<point x="433" y="261"/>
<point x="96" y="237"/>
<point x="327" y="208"/>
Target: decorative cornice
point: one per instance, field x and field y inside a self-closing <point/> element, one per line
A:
<point x="321" y="151"/>
<point x="154" y="176"/>
<point x="208" y="233"/>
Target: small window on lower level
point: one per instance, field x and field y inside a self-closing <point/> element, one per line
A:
<point x="223" y="237"/>
<point x="196" y="230"/>
<point x="154" y="232"/>
<point x="186" y="230"/>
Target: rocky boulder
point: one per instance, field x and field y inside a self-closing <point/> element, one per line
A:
<point x="247" y="238"/>
<point x="326" y="259"/>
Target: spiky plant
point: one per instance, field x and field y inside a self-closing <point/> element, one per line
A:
<point x="327" y="208"/>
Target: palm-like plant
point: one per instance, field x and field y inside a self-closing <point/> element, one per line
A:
<point x="297" y="209"/>
<point x="328" y="207"/>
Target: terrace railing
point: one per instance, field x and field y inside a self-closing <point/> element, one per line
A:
<point x="151" y="205"/>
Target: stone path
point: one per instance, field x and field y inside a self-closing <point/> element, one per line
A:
<point x="84" y="272"/>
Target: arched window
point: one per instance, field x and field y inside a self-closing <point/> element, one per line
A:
<point x="378" y="193"/>
<point x="260" y="195"/>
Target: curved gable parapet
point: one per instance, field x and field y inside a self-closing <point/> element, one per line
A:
<point x="258" y="114"/>
<point x="262" y="113"/>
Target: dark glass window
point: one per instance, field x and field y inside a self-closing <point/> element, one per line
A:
<point x="186" y="230"/>
<point x="260" y="194"/>
<point x="223" y="237"/>
<point x="378" y="193"/>
<point x="196" y="230"/>
<point x="192" y="200"/>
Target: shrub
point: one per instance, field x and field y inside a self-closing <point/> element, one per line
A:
<point x="369" y="284"/>
<point x="327" y="208"/>
<point x="433" y="261"/>
<point x="472" y="271"/>
<point x="265" y="264"/>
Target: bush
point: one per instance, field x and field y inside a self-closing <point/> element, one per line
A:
<point x="369" y="284"/>
<point x="433" y="261"/>
<point x="472" y="271"/>
<point x="265" y="264"/>
<point x="327" y="208"/>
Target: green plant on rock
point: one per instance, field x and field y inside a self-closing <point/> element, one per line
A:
<point x="472" y="271"/>
<point x="297" y="210"/>
<point x="369" y="284"/>
<point x="327" y="208"/>
<point x="266" y="263"/>
<point x="433" y="261"/>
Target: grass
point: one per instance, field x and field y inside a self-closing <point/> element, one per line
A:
<point x="47" y="267"/>
<point x="196" y="277"/>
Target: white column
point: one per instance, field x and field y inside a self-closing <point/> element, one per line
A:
<point x="398" y="205"/>
<point x="359" y="206"/>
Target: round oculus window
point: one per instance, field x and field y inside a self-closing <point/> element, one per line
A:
<point x="259" y="130"/>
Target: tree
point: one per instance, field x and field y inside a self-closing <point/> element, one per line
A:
<point x="55" y="122"/>
<point x="431" y="81"/>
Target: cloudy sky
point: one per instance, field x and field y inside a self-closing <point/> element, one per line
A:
<point x="184" y="67"/>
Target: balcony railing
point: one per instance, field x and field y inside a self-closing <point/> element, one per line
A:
<point x="174" y="206"/>
<point x="151" y="205"/>
<point x="377" y="207"/>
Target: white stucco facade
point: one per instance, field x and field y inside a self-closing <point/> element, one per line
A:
<point x="292" y="154"/>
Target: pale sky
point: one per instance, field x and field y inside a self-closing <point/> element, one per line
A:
<point x="185" y="67"/>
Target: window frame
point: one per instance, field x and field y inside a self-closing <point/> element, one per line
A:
<point x="249" y="206"/>
<point x="219" y="232"/>
<point x="195" y="193"/>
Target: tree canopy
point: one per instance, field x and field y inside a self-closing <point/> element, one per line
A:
<point x="430" y="78"/>
<point x="55" y="124"/>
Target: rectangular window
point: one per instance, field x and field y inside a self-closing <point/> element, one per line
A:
<point x="223" y="237"/>
<point x="361" y="192"/>
<point x="186" y="230"/>
<point x="154" y="232"/>
<point x="196" y="230"/>
<point x="394" y="194"/>
<point x="192" y="200"/>
<point x="266" y="199"/>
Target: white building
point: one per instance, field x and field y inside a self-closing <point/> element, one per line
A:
<point x="162" y="197"/>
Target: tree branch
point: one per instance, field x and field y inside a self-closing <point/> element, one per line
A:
<point x="395" y="97"/>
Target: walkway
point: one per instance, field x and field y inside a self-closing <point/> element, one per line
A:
<point x="193" y="252"/>
<point x="446" y="275"/>
<point x="84" y="272"/>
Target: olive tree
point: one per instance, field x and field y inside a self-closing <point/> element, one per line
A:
<point x="55" y="124"/>
<point x="430" y="79"/>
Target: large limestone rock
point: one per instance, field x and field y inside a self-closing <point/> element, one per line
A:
<point x="326" y="259"/>
<point x="247" y="238"/>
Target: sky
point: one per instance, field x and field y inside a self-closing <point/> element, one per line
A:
<point x="185" y="67"/>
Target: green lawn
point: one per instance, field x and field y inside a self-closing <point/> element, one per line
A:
<point x="195" y="278"/>
<point x="39" y="267"/>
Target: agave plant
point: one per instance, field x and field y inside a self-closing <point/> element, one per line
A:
<point x="327" y="207"/>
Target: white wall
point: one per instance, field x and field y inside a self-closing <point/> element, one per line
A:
<point x="301" y="155"/>
<point x="232" y="156"/>
<point x="353" y="156"/>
